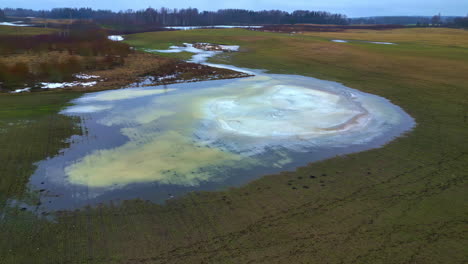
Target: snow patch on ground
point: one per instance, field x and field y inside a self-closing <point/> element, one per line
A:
<point x="382" y="43"/>
<point x="201" y="56"/>
<point x="373" y="42"/>
<point x="14" y="24"/>
<point x="46" y="85"/>
<point x="230" y="47"/>
<point x="21" y="90"/>
<point x="167" y="77"/>
<point x="86" y="76"/>
<point x="116" y="38"/>
<point x="340" y="41"/>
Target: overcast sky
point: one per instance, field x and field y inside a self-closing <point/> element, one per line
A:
<point x="352" y="8"/>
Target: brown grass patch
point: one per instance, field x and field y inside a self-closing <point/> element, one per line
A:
<point x="139" y="65"/>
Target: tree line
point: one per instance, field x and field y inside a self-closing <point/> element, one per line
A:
<point x="185" y="17"/>
<point x="2" y="15"/>
<point x="461" y="21"/>
<point x="421" y="21"/>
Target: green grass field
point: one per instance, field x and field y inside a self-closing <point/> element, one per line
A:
<point x="30" y="130"/>
<point x="402" y="203"/>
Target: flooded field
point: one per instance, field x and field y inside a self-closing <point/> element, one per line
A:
<point x="402" y="202"/>
<point x="156" y="143"/>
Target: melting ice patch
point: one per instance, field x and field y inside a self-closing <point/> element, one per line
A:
<point x="191" y="134"/>
<point x="199" y="57"/>
<point x="186" y="137"/>
<point x="295" y="113"/>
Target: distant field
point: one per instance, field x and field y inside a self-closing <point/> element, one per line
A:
<point x="402" y="203"/>
<point x="421" y="36"/>
<point x="37" y="20"/>
<point x="9" y="30"/>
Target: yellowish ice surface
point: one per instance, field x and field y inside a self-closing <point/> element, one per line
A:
<point x="170" y="158"/>
<point x="126" y="94"/>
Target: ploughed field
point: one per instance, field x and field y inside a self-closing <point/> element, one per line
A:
<point x="402" y="203"/>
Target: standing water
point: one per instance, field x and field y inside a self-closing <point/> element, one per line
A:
<point x="155" y="143"/>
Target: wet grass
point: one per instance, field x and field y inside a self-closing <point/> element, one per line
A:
<point x="30" y="130"/>
<point x="403" y="203"/>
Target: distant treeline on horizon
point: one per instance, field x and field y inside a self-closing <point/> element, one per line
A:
<point x="193" y="17"/>
<point x="185" y="17"/>
<point x="401" y="20"/>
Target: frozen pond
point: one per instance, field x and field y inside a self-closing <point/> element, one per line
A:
<point x="159" y="142"/>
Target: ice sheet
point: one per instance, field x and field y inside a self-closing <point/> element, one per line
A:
<point x="190" y="136"/>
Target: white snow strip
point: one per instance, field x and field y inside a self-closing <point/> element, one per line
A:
<point x="230" y="47"/>
<point x="46" y="85"/>
<point x="87" y="84"/>
<point x="340" y="41"/>
<point x="167" y="77"/>
<point x="13" y="24"/>
<point x="116" y="38"/>
<point x="86" y="76"/>
<point x="382" y="43"/>
<point x="21" y="90"/>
